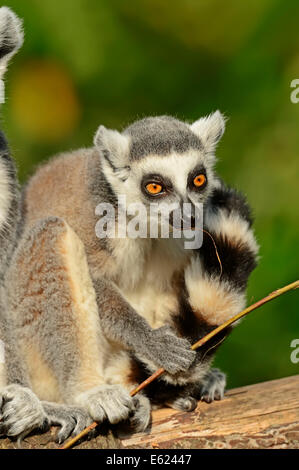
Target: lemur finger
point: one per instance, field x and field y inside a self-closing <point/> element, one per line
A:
<point x="142" y="413"/>
<point x="112" y="402"/>
<point x="139" y="418"/>
<point x="5" y="396"/>
<point x="82" y="423"/>
<point x="213" y="386"/>
<point x="179" y="360"/>
<point x="73" y="427"/>
<point x="66" y="430"/>
<point x="177" y="355"/>
<point x="20" y="424"/>
<point x="183" y="404"/>
<point x="173" y="367"/>
<point x="71" y="419"/>
<point x="97" y="411"/>
<point x="183" y="354"/>
<point x="118" y="405"/>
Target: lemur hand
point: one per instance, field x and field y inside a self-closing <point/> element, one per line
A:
<point x="165" y="349"/>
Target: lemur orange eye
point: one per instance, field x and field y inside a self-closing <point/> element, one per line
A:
<point x="154" y="188"/>
<point x="199" y="180"/>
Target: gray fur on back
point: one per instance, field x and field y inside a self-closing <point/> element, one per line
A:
<point x="160" y="135"/>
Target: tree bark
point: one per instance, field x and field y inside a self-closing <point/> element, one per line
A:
<point x="264" y="415"/>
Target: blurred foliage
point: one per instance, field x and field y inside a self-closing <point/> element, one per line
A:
<point x="87" y="62"/>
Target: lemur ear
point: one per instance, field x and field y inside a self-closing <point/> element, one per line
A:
<point x="114" y="147"/>
<point x="210" y="129"/>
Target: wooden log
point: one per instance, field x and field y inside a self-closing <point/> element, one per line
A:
<point x="264" y="415"/>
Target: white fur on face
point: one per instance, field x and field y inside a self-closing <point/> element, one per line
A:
<point x="176" y="167"/>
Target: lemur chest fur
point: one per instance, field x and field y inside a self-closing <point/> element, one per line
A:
<point x="143" y="269"/>
<point x="146" y="273"/>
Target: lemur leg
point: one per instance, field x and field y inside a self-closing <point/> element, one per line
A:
<point x="213" y="294"/>
<point x="57" y="324"/>
<point x="20" y="410"/>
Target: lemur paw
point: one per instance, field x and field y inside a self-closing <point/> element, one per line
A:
<point x="167" y="350"/>
<point x="71" y="419"/>
<point x="187" y="403"/>
<point x="141" y="415"/>
<point x="20" y="412"/>
<point x="112" y="402"/>
<point x="213" y="386"/>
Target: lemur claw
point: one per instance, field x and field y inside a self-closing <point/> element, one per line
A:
<point x="71" y="419"/>
<point x="112" y="402"/>
<point x="187" y="403"/>
<point x="141" y="415"/>
<point x="214" y="386"/>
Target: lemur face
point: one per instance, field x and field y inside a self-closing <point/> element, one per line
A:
<point x="162" y="160"/>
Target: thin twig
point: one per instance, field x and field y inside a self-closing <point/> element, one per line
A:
<point x="213" y="241"/>
<point x="198" y="344"/>
<point x="216" y="251"/>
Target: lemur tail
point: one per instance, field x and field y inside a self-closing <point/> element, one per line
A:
<point x="11" y="39"/>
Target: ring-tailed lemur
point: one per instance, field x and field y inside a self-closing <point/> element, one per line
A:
<point x="93" y="317"/>
<point x="20" y="409"/>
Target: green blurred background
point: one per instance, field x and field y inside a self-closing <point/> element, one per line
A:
<point x="91" y="62"/>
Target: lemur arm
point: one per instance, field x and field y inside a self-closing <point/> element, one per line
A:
<point x="121" y="323"/>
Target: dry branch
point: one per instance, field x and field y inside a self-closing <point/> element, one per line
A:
<point x="259" y="416"/>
